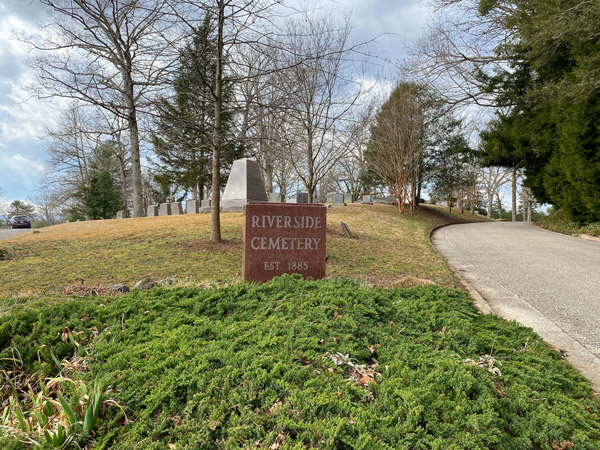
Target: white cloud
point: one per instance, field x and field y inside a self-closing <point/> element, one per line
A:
<point x="19" y="174"/>
<point x="22" y="119"/>
<point x="396" y="22"/>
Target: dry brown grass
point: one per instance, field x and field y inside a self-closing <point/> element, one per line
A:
<point x="390" y="249"/>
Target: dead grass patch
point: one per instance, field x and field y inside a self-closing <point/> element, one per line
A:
<point x="390" y="247"/>
<point x="208" y="245"/>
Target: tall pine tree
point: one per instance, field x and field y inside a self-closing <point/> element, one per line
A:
<point x="183" y="138"/>
<point x="553" y="91"/>
<point x="104" y="198"/>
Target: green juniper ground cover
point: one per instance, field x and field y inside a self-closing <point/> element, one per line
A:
<point x="299" y="364"/>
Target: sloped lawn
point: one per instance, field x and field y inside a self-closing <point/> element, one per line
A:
<point x="99" y="253"/>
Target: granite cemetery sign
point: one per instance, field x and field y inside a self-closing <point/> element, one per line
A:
<point x="284" y="238"/>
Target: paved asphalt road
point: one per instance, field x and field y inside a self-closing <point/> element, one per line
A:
<point x="5" y="234"/>
<point x="544" y="280"/>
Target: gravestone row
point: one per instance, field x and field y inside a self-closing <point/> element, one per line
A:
<point x="245" y="184"/>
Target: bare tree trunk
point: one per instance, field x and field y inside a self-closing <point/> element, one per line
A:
<point x="311" y="168"/>
<point x="450" y="203"/>
<point x="123" y="184"/>
<point x="215" y="217"/>
<point x="311" y="194"/>
<point x="489" y="205"/>
<point x="461" y="206"/>
<point x="514" y="195"/>
<point x="269" y="178"/>
<point x="136" y="168"/>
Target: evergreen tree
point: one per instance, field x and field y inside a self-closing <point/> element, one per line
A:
<point x="183" y="139"/>
<point x="104" y="198"/>
<point x="453" y="167"/>
<point x="19" y="208"/>
<point x="550" y="127"/>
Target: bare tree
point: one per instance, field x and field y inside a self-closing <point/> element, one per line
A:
<point x="472" y="185"/>
<point x="528" y="203"/>
<point x="47" y="203"/>
<point x="492" y="179"/>
<point x="396" y="143"/>
<point x="457" y="53"/>
<point x="513" y="185"/>
<point x="317" y="79"/>
<point x="70" y="147"/>
<point x="352" y="166"/>
<point x="114" y="128"/>
<point x="526" y="199"/>
<point x="4" y="205"/>
<point x="239" y="25"/>
<point x="107" y="53"/>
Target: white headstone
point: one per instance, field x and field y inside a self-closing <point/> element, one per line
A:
<point x="191" y="206"/>
<point x="176" y="209"/>
<point x="276" y="198"/>
<point x="245" y="183"/>
<point x="164" y="209"/>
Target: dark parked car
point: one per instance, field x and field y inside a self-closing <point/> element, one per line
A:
<point x="19" y="222"/>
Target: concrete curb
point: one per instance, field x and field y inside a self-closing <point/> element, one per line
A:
<point x="490" y="296"/>
<point x="587" y="237"/>
<point x="480" y="303"/>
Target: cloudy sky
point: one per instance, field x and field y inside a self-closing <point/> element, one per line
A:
<point x="23" y="119"/>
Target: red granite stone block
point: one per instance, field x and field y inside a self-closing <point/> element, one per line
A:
<point x="284" y="238"/>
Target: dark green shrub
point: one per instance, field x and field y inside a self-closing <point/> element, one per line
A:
<point x="248" y="366"/>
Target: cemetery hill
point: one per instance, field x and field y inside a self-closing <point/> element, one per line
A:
<point x="197" y="280"/>
<point x="384" y="352"/>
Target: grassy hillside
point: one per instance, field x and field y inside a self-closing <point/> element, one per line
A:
<point x="391" y="249"/>
<point x="289" y="365"/>
<point x="559" y="221"/>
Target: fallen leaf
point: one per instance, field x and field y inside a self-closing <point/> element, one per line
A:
<point x="564" y="446"/>
<point x="274" y="406"/>
<point x="278" y="442"/>
<point x="365" y="380"/>
<point x="303" y="360"/>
